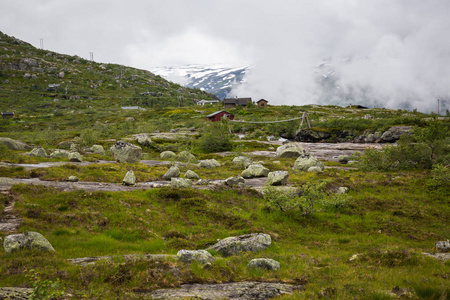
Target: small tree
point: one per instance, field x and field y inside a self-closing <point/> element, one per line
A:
<point x="216" y="137"/>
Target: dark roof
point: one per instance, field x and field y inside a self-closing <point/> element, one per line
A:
<point x="261" y="100"/>
<point x="237" y="101"/>
<point x="7" y="113"/>
<point x="216" y="113"/>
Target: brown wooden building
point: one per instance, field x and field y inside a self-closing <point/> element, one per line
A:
<point x="218" y="115"/>
<point x="262" y="102"/>
<point x="233" y="102"/>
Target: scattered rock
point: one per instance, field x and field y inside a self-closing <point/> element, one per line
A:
<point x="368" y="117"/>
<point x="72" y="178"/>
<point x="15" y="293"/>
<point x="144" y="139"/>
<point x="75" y="157"/>
<point x="74" y="147"/>
<point x="202" y="256"/>
<point x="443" y="246"/>
<point x="130" y="178"/>
<point x="60" y="154"/>
<point x="248" y="242"/>
<point x="38" y="152"/>
<point x="290" y="150"/>
<point x="173" y="172"/>
<point x="264" y="263"/>
<point x="277" y="177"/>
<point x="342" y="190"/>
<point x="209" y="163"/>
<point x="242" y="161"/>
<point x="13" y="144"/>
<point x="393" y="134"/>
<point x="186" y="156"/>
<point x="311" y="136"/>
<point x="167" y="155"/>
<point x="255" y="170"/>
<point x="314" y="169"/>
<point x="191" y="175"/>
<point x="96" y="149"/>
<point x="343" y="159"/>
<point x="180" y="182"/>
<point x="125" y="152"/>
<point x="304" y="163"/>
<point x="235" y="181"/>
<point x="29" y="240"/>
<point x="65" y="145"/>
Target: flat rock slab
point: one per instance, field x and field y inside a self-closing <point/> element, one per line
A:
<point x="90" y="260"/>
<point x="233" y="290"/>
<point x="441" y="256"/>
<point x="15" y="293"/>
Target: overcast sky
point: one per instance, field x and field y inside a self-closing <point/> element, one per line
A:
<point x="392" y="53"/>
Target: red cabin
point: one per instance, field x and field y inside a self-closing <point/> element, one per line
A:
<point x="218" y="115"/>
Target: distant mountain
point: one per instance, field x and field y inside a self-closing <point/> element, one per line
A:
<point x="215" y="79"/>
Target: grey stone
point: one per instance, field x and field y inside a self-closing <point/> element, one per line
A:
<point x="393" y="134"/>
<point x="15" y="293"/>
<point x="443" y="246"/>
<point x="186" y="157"/>
<point x="14" y="144"/>
<point x="74" y="147"/>
<point x="343" y="159"/>
<point x="248" y="242"/>
<point x="29" y="240"/>
<point x="129" y="179"/>
<point x="209" y="163"/>
<point x="290" y="150"/>
<point x="125" y="152"/>
<point x="314" y="169"/>
<point x="304" y="163"/>
<point x="191" y="175"/>
<point x="38" y="152"/>
<point x="72" y="178"/>
<point x="235" y="181"/>
<point x="342" y="190"/>
<point x="255" y="170"/>
<point x="144" y="139"/>
<point x="277" y="177"/>
<point x="264" y="263"/>
<point x="368" y="117"/>
<point x="75" y="157"/>
<point x="96" y="149"/>
<point x="174" y="171"/>
<point x="167" y="155"/>
<point x="242" y="161"/>
<point x="60" y="154"/>
<point x="202" y="256"/>
<point x="180" y="182"/>
<point x="65" y="145"/>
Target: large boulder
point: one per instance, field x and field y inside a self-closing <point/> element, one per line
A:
<point x="264" y="263"/>
<point x="129" y="179"/>
<point x="180" y="182"/>
<point x="393" y="134"/>
<point x="174" y="171"/>
<point x="255" y="170"/>
<point x="60" y="154"/>
<point x="242" y="161"/>
<point x="236" y="244"/>
<point x="235" y="181"/>
<point x="209" y="163"/>
<point x="144" y="139"/>
<point x="75" y="157"/>
<point x="29" y="240"/>
<point x="304" y="163"/>
<point x="186" y="157"/>
<point x="125" y="152"/>
<point x="277" y="177"/>
<point x="290" y="150"/>
<point x="14" y="144"/>
<point x="202" y="256"/>
<point x="167" y="155"/>
<point x="38" y="152"/>
<point x="191" y="175"/>
<point x="96" y="149"/>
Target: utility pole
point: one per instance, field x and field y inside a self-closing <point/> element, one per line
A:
<point x="438" y="106"/>
<point x="41" y="41"/>
<point x="91" y="55"/>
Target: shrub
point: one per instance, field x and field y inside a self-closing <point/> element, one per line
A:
<point x="215" y="138"/>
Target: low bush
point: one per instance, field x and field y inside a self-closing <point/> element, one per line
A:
<point x="215" y="138"/>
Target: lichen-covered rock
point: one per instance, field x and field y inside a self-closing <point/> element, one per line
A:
<point x="343" y="159"/>
<point x="38" y="152"/>
<point x="304" y="163"/>
<point x="13" y="144"/>
<point x="209" y="163"/>
<point x="235" y="181"/>
<point x="186" y="157"/>
<point x="60" y="154"/>
<point x="72" y="178"/>
<point x="314" y="169"/>
<point x="29" y="240"/>
<point x="96" y="149"/>
<point x="191" y="175"/>
<point x="125" y="152"/>
<point x="236" y="244"/>
<point x="242" y="161"/>
<point x="264" y="263"/>
<point x="173" y="171"/>
<point x="393" y="134"/>
<point x="342" y="190"/>
<point x="75" y="157"/>
<point x="443" y="246"/>
<point x="290" y="150"/>
<point x="277" y="177"/>
<point x="65" y="145"/>
<point x="180" y="182"/>
<point x="144" y="139"/>
<point x="202" y="256"/>
<point x="255" y="170"/>
<point x="167" y="155"/>
<point x="15" y="293"/>
<point x="130" y="178"/>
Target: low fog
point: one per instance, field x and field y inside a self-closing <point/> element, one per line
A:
<point x="382" y="53"/>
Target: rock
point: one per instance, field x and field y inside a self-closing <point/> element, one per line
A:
<point x="144" y="139"/>
<point x="235" y="181"/>
<point x="174" y="171"/>
<point x="203" y="182"/>
<point x="248" y="242"/>
<point x="255" y="170"/>
<point x="242" y="161"/>
<point x="443" y="246"/>
<point x="167" y="155"/>
<point x="271" y="148"/>
<point x="209" y="163"/>
<point x="191" y="175"/>
<point x="304" y="163"/>
<point x="125" y="152"/>
<point x="74" y="147"/>
<point x="343" y="159"/>
<point x="129" y="179"/>
<point x="29" y="240"/>
<point x="75" y="157"/>
<point x="180" y="182"/>
<point x="13" y="144"/>
<point x="312" y="136"/>
<point x="186" y="156"/>
<point x="314" y="169"/>
<point x="277" y="177"/>
<point x="15" y="293"/>
<point x="368" y="117"/>
<point x="38" y="152"/>
<point x="393" y="134"/>
<point x="60" y="154"/>
<point x="61" y="75"/>
<point x="173" y="130"/>
<point x="65" y="145"/>
<point x="342" y="190"/>
<point x="264" y="263"/>
<point x="202" y="256"/>
<point x="290" y="150"/>
<point x="72" y="178"/>
<point x="96" y="149"/>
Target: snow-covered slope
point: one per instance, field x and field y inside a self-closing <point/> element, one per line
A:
<point x="215" y="79"/>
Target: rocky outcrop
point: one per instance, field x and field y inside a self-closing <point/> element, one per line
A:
<point x="167" y="155"/>
<point x="38" y="152"/>
<point x="290" y="150"/>
<point x="173" y="172"/>
<point x="29" y="240"/>
<point x="125" y="152"/>
<point x="129" y="179"/>
<point x="264" y="263"/>
<point x="255" y="170"/>
<point x="201" y="256"/>
<point x="180" y="183"/>
<point x="236" y="244"/>
<point x="305" y="163"/>
<point x="209" y="163"/>
<point x="191" y="175"/>
<point x="13" y="144"/>
<point x="277" y="177"/>
<point x="393" y="134"/>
